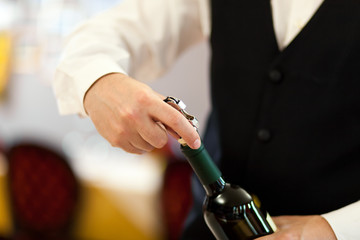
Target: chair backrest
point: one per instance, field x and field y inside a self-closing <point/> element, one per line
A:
<point x="43" y="191"/>
<point x="176" y="197"/>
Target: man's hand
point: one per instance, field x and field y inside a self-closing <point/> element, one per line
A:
<point x="301" y="228"/>
<point x="130" y="115"/>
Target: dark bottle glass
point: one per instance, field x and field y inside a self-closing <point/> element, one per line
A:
<point x="229" y="211"/>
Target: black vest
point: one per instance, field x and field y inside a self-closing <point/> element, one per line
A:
<point x="286" y="125"/>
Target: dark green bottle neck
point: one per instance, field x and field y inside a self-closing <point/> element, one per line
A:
<point x="205" y="169"/>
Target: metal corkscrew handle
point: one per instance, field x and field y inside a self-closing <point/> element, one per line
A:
<point x="180" y="106"/>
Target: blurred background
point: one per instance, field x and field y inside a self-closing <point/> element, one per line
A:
<point x="59" y="179"/>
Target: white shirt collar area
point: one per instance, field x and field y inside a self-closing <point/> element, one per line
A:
<point x="290" y="17"/>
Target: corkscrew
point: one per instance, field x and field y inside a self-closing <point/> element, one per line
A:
<point x="180" y="106"/>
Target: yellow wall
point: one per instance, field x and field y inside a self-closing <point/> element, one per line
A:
<point x="5" y="216"/>
<point x="5" y="52"/>
<point x="100" y="219"/>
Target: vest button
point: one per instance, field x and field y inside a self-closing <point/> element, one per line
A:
<point x="275" y="76"/>
<point x="264" y="135"/>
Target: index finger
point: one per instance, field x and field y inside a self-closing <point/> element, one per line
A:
<point x="173" y="119"/>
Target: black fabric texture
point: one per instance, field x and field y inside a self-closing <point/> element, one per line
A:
<point x="286" y="125"/>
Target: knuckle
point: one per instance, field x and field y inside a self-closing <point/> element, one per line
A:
<point x="116" y="142"/>
<point x="117" y="137"/>
<point x="157" y="140"/>
<point x="133" y="151"/>
<point x="143" y="96"/>
<point x="155" y="137"/>
<point x="119" y="131"/>
<point x="160" y="142"/>
<point x="129" y="114"/>
<point x="287" y="236"/>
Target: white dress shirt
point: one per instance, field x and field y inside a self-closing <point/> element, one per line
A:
<point x="143" y="39"/>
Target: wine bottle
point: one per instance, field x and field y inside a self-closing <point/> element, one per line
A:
<point x="229" y="211"/>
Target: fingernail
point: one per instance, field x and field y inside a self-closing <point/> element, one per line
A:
<point x="197" y="144"/>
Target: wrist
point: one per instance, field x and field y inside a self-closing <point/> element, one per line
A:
<point x="97" y="87"/>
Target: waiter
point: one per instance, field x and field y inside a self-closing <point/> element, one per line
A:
<point x="284" y="75"/>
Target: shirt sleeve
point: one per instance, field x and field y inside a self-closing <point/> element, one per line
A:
<point x="140" y="38"/>
<point x="345" y="222"/>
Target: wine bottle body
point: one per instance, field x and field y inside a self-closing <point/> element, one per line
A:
<point x="232" y="214"/>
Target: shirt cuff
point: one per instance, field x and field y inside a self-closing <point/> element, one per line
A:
<point x="345" y="221"/>
<point x="90" y="73"/>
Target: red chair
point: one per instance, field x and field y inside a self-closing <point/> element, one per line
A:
<point x="176" y="195"/>
<point x="43" y="192"/>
